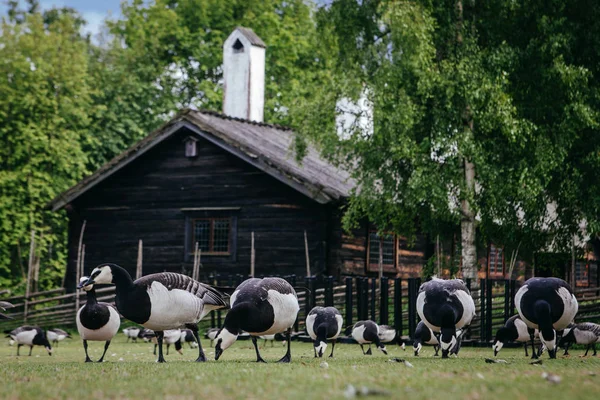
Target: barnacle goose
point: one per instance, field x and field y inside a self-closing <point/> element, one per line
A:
<point x="547" y="304"/>
<point x="446" y="306"/>
<point x="424" y="335"/>
<point x="324" y="323"/>
<point x="586" y="333"/>
<point x="133" y="333"/>
<point x="160" y="301"/>
<point x="57" y="335"/>
<point x="514" y="330"/>
<point x="96" y="321"/>
<point x="367" y="332"/>
<point x="30" y="336"/>
<point x="260" y="307"/>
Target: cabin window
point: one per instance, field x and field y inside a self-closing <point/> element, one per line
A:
<point x="389" y="250"/>
<point x="581" y="273"/>
<point x="238" y="47"/>
<point x="495" y="261"/>
<point x="213" y="235"/>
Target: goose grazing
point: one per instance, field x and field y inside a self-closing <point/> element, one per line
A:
<point x="586" y="333"/>
<point x="160" y="301"/>
<point x="424" y="335"/>
<point x="57" y="335"/>
<point x="30" y="336"/>
<point x="96" y="321"/>
<point x="133" y="333"/>
<point x="446" y="306"/>
<point x="211" y="334"/>
<point x="3" y="306"/>
<point x="367" y="332"/>
<point x="387" y="334"/>
<point x="187" y="336"/>
<point x="546" y="304"/>
<point x="260" y="307"/>
<point x="324" y="323"/>
<point x="514" y="330"/>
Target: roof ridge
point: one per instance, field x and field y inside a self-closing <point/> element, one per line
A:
<point x="230" y="118"/>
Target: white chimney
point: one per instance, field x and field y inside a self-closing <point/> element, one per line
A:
<point x="244" y="75"/>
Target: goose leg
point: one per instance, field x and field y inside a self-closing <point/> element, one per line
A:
<point x="533" y="352"/>
<point x="85" y="347"/>
<point x="30" y="349"/>
<point x="255" y="343"/>
<point x="586" y="350"/>
<point x="566" y="353"/>
<point x="437" y="350"/>
<point x="525" y="345"/>
<point x="168" y="345"/>
<point x="363" y="349"/>
<point x="369" y="352"/>
<point x="18" y="348"/>
<point x="155" y="346"/>
<point x="288" y="355"/>
<point x="194" y="329"/>
<point x="159" y="337"/>
<point x="105" y="348"/>
<point x="315" y="351"/>
<point x="332" y="347"/>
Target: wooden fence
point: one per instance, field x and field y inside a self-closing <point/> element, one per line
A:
<point x="387" y="301"/>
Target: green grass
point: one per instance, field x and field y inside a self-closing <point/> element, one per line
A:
<point x="130" y="372"/>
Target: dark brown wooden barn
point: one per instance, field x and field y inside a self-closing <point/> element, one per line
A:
<point x="212" y="179"/>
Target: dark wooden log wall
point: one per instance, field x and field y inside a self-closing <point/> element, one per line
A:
<point x="144" y="200"/>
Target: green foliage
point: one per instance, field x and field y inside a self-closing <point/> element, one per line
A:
<point x="513" y="88"/>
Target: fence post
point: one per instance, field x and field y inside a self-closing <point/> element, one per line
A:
<point x="329" y="291"/>
<point x="373" y="299"/>
<point x="412" y="305"/>
<point x="348" y="301"/>
<point x="313" y="291"/>
<point x="488" y="313"/>
<point x="307" y="306"/>
<point x="384" y="300"/>
<point x="482" y="318"/>
<point x="513" y="289"/>
<point x="398" y="306"/>
<point x="507" y="311"/>
<point x="365" y="298"/>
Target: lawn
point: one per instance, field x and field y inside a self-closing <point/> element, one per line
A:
<point x="130" y="372"/>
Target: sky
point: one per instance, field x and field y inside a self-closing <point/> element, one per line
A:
<point x="93" y="11"/>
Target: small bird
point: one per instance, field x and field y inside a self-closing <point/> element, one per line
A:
<point x="424" y="335"/>
<point x="187" y="336"/>
<point x="96" y="321"/>
<point x="586" y="333"/>
<point x="30" y="336"/>
<point x="260" y="307"/>
<point x="324" y="323"/>
<point x="367" y="332"/>
<point x="57" y="335"/>
<point x="3" y="306"/>
<point x="211" y="334"/>
<point x="160" y="301"/>
<point x="514" y="330"/>
<point x="132" y="333"/>
<point x="446" y="306"/>
<point x="546" y="304"/>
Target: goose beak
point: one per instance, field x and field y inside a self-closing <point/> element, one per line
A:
<point x="218" y="352"/>
<point x="85" y="283"/>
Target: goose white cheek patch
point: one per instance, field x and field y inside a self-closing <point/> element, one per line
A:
<point x="418" y="348"/>
<point x="321" y="348"/>
<point x="447" y="346"/>
<point x="497" y="346"/>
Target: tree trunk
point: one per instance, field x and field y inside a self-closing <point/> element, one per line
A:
<point x="467" y="227"/>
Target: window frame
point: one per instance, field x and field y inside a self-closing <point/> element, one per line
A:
<point x="584" y="280"/>
<point x="495" y="273"/>
<point x="211" y="236"/>
<point x="374" y="266"/>
<point x="210" y="213"/>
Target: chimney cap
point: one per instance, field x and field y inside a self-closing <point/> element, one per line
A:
<point x="251" y="36"/>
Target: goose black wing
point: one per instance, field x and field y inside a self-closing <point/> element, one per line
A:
<point x="170" y="280"/>
<point x="589" y="326"/>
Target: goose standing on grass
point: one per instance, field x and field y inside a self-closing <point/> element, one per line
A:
<point x="96" y="321"/>
<point x="424" y="335"/>
<point x="133" y="332"/>
<point x="260" y="307"/>
<point x="546" y="304"/>
<point x="211" y="334"/>
<point x="387" y="334"/>
<point x="3" y="306"/>
<point x="367" y="332"/>
<point x="514" y="330"/>
<point x="268" y="338"/>
<point x="171" y="336"/>
<point x="324" y="323"/>
<point x="30" y="336"/>
<point x="187" y="336"/>
<point x="586" y="333"/>
<point x="57" y="335"/>
<point x="446" y="306"/>
<point x="160" y="301"/>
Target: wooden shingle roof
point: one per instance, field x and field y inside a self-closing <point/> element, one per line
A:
<point x="267" y="147"/>
<point x="251" y="36"/>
